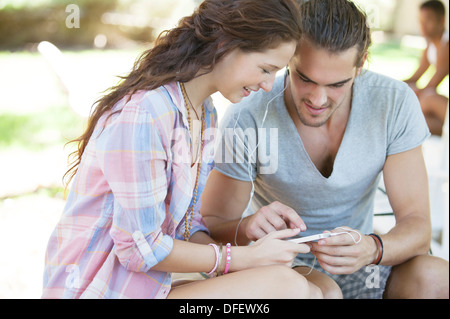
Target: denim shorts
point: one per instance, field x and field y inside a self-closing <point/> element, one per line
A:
<point x="367" y="283"/>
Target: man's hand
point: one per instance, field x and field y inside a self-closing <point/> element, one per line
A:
<point x="345" y="253"/>
<point x="273" y="217"/>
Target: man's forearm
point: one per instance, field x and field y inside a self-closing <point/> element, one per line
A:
<point x="227" y="231"/>
<point x="409" y="238"/>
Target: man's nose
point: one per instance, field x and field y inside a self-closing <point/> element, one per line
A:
<point x="318" y="96"/>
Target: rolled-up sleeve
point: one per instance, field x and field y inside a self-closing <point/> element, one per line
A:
<point x="198" y="224"/>
<point x="133" y="160"/>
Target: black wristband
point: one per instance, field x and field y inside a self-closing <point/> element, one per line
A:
<point x="380" y="248"/>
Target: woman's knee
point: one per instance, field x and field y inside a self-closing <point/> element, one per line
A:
<point x="289" y="283"/>
<point x="329" y="289"/>
<point x="315" y="292"/>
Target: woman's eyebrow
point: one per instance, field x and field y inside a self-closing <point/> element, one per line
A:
<point x="273" y="66"/>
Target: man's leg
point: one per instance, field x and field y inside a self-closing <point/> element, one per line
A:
<point x="422" y="277"/>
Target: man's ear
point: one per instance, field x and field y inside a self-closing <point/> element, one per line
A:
<point x="364" y="59"/>
<point x="361" y="64"/>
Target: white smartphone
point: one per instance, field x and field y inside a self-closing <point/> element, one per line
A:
<point x="306" y="239"/>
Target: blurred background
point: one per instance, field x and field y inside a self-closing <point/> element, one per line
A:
<point x="56" y="59"/>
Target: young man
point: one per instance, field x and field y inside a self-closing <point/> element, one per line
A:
<point x="310" y="154"/>
<point x="434" y="105"/>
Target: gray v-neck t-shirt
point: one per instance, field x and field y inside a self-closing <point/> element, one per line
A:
<point x="385" y="119"/>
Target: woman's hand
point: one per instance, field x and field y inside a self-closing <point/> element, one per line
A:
<point x="272" y="249"/>
<point x="271" y="218"/>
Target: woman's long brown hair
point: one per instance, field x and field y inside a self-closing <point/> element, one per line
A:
<point x="193" y="48"/>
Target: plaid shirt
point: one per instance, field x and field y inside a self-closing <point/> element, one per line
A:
<point x="128" y="201"/>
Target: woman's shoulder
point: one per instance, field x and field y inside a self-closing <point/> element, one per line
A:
<point x="156" y="102"/>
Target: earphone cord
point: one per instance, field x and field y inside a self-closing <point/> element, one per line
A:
<point x="252" y="153"/>
<point x="348" y="232"/>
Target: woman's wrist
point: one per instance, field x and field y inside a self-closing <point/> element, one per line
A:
<point x="241" y="258"/>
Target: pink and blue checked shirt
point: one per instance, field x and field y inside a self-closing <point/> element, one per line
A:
<point x="128" y="201"/>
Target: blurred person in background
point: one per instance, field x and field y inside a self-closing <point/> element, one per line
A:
<point x="434" y="105"/>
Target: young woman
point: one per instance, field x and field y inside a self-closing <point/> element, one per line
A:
<point x="132" y="216"/>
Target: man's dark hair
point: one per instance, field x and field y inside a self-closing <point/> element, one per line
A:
<point x="336" y="25"/>
<point x="436" y="6"/>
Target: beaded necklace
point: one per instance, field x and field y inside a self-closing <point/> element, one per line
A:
<point x="190" y="211"/>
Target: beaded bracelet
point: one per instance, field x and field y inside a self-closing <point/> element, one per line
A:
<point x="216" y="250"/>
<point x="217" y="274"/>
<point x="379" y="243"/>
<point x="227" y="266"/>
